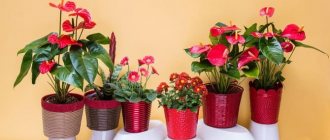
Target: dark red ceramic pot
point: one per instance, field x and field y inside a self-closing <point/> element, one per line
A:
<point x="136" y="116"/>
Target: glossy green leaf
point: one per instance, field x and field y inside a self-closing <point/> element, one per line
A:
<point x="299" y="44"/>
<point x="69" y="77"/>
<point x="232" y="72"/>
<point x="35" y="44"/>
<point x="214" y="40"/>
<point x="251" y="70"/>
<point x="203" y="66"/>
<point x="98" y="38"/>
<point x="25" y="67"/>
<point x="35" y="71"/>
<point x="273" y="51"/>
<point x="99" y="52"/>
<point x="220" y="24"/>
<point x="252" y="28"/>
<point x="116" y="72"/>
<point x="151" y="96"/>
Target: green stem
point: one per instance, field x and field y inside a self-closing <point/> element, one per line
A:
<point x="288" y="59"/>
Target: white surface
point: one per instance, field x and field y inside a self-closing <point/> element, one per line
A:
<point x="156" y="131"/>
<point x="238" y="132"/>
<point x="103" y="135"/>
<point x="264" y="131"/>
<point x="71" y="138"/>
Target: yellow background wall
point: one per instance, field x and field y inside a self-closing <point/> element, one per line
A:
<point x="163" y="28"/>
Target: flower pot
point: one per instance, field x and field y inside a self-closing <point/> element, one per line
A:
<point x="62" y="120"/>
<point x="221" y="110"/>
<point x="136" y="116"/>
<point x="265" y="104"/>
<point x="102" y="115"/>
<point x="181" y="124"/>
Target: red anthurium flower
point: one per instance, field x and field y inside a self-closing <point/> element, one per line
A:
<point x="216" y="31"/>
<point x="67" y="7"/>
<point x="141" y="62"/>
<point x="154" y="71"/>
<point x="248" y="56"/>
<point x="218" y="55"/>
<point x="53" y="38"/>
<point x="257" y="34"/>
<point x="287" y="46"/>
<point x="86" y="25"/>
<point x="199" y="49"/>
<point x="162" y="87"/>
<point x="235" y="39"/>
<point x="67" y="26"/>
<point x="173" y="77"/>
<point x="144" y="72"/>
<point x="124" y="61"/>
<point x="83" y="13"/>
<point x="267" y="11"/>
<point x="66" y="40"/>
<point x="293" y="32"/>
<point x="46" y="66"/>
<point x="133" y="76"/>
<point x="149" y="60"/>
<point x="269" y="34"/>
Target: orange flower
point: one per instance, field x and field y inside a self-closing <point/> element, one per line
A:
<point x="162" y="87"/>
<point x="173" y="77"/>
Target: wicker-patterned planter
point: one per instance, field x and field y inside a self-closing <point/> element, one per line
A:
<point x="136" y="116"/>
<point x="221" y="110"/>
<point x="62" y="120"/>
<point x="265" y="104"/>
<point x="102" y="115"/>
<point x="181" y="124"/>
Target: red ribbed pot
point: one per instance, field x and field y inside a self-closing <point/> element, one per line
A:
<point x="221" y="110"/>
<point x="265" y="104"/>
<point x="136" y="116"/>
<point x="181" y="124"/>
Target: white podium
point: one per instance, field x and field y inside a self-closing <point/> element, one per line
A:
<point x="103" y="135"/>
<point x="238" y="132"/>
<point x="70" y="138"/>
<point x="264" y="131"/>
<point x="156" y="131"/>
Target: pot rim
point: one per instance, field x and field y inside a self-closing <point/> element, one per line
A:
<point x="63" y="107"/>
<point x="99" y="104"/>
<point x="234" y="89"/>
<point x="277" y="88"/>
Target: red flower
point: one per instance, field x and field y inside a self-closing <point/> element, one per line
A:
<point x="86" y="25"/>
<point x="162" y="87"/>
<point x="218" y="55"/>
<point x="247" y="56"/>
<point x="293" y="32"/>
<point x="53" y="38"/>
<point x="67" y="26"/>
<point x="199" y="49"/>
<point x="144" y="72"/>
<point x="235" y="39"/>
<point x="196" y="81"/>
<point x="257" y="34"/>
<point x="184" y="75"/>
<point x="46" y="66"/>
<point x="173" y="77"/>
<point x="141" y="62"/>
<point x="124" y="61"/>
<point x="267" y="11"/>
<point x="133" y="76"/>
<point x="287" y="46"/>
<point x="154" y="71"/>
<point x="200" y="89"/>
<point x="67" y="7"/>
<point x="66" y="40"/>
<point x="149" y="60"/>
<point x="83" y="13"/>
<point x="269" y="34"/>
<point x="216" y="31"/>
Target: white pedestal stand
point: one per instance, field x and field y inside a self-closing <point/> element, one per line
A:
<point x="103" y="135"/>
<point x="264" y="131"/>
<point x="71" y="138"/>
<point x="235" y="133"/>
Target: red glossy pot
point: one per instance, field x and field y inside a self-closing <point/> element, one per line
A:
<point x="181" y="124"/>
<point x="265" y="104"/>
<point x="136" y="116"/>
<point x="221" y="110"/>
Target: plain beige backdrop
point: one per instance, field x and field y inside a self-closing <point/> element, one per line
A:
<point x="163" y="28"/>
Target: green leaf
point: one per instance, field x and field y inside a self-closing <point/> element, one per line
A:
<point x="134" y="98"/>
<point x="102" y="75"/>
<point x="69" y="77"/>
<point x="99" y="52"/>
<point x="46" y="52"/>
<point x="252" y="28"/>
<point x="35" y="44"/>
<point x="35" y="71"/>
<point x="116" y="72"/>
<point x="273" y="51"/>
<point x="192" y="55"/>
<point x="86" y="65"/>
<point x="98" y="38"/>
<point x="251" y="70"/>
<point x="220" y="24"/>
<point x="232" y="72"/>
<point x="151" y="96"/>
<point x="25" y="67"/>
<point x="203" y="66"/>
<point x="214" y="40"/>
<point x="299" y="44"/>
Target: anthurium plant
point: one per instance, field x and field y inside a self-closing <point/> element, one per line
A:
<point x="64" y="56"/>
<point x="269" y="49"/>
<point x="183" y="92"/>
<point x="132" y="85"/>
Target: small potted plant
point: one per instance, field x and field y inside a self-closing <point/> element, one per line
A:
<point x="131" y="90"/>
<point x="102" y="110"/>
<point x="181" y="101"/>
<point x="221" y="64"/>
<point x="273" y="49"/>
<point x="68" y="61"/>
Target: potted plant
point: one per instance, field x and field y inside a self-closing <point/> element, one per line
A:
<point x="131" y="90"/>
<point x="220" y="63"/>
<point x="181" y="101"/>
<point x="102" y="110"/>
<point x="68" y="61"/>
<point x="273" y="49"/>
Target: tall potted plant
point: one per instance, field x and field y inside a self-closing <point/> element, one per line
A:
<point x="221" y="64"/>
<point x="275" y="48"/>
<point x="131" y="90"/>
<point x="181" y="101"/>
<point x="102" y="110"/>
<point x="68" y="61"/>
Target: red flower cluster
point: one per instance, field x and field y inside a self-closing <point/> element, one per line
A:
<point x="135" y="76"/>
<point x="63" y="41"/>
